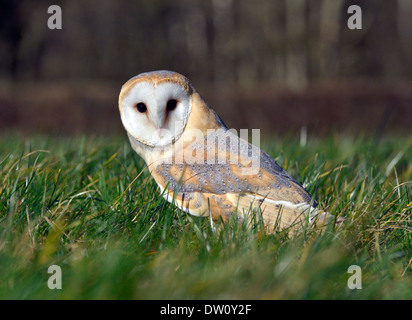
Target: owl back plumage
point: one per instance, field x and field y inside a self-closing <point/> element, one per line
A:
<point x="205" y="187"/>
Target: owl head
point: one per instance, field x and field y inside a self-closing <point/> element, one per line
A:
<point x="155" y="107"/>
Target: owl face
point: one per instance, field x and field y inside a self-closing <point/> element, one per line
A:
<point x="154" y="110"/>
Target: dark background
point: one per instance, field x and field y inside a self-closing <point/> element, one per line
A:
<point x="277" y="65"/>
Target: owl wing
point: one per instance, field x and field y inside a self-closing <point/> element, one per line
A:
<point x="240" y="179"/>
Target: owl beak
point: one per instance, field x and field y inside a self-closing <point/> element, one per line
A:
<point x="159" y="132"/>
<point x="159" y="121"/>
<point x="159" y="125"/>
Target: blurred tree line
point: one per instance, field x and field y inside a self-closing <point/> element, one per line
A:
<point x="233" y="42"/>
<point x="238" y="53"/>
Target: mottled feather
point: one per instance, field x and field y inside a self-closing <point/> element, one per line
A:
<point x="231" y="187"/>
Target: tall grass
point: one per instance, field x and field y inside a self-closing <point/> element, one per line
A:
<point x="86" y="205"/>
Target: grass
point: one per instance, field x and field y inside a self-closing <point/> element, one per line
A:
<point x="75" y="202"/>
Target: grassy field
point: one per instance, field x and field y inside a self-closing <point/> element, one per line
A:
<point x="74" y="202"/>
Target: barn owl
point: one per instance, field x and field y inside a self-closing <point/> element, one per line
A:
<point x="199" y="164"/>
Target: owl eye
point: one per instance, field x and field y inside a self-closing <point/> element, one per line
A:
<point x="171" y="105"/>
<point x="141" y="107"/>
